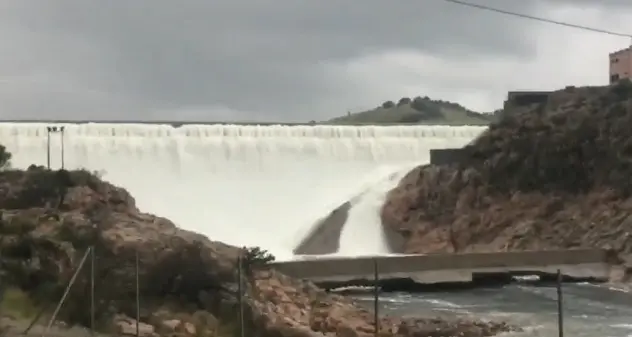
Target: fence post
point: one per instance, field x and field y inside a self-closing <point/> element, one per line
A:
<point x="92" y="299"/>
<point x="93" y="270"/>
<point x="137" y="295"/>
<point x="240" y="294"/>
<point x="560" y="305"/>
<point x="66" y="292"/>
<point x="376" y="296"/>
<point x="3" y="281"/>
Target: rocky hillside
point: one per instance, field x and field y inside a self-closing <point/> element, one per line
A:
<point x="419" y="110"/>
<point x="548" y="175"/>
<point x="188" y="284"/>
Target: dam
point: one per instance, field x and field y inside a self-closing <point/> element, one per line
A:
<point x="247" y="185"/>
<point x="276" y="186"/>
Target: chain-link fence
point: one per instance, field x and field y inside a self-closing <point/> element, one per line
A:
<point x="44" y="324"/>
<point x="85" y="283"/>
<point x="384" y="297"/>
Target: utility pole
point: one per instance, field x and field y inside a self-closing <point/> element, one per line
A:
<point x="54" y="129"/>
<point x="61" y="129"/>
<point x="49" y="129"/>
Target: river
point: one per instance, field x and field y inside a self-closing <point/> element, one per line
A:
<point x="589" y="310"/>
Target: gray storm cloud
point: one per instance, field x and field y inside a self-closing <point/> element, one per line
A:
<point x="261" y="59"/>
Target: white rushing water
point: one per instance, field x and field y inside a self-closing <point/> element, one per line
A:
<point x="244" y="185"/>
<point x="362" y="233"/>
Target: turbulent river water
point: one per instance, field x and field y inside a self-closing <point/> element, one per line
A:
<point x="589" y="310"/>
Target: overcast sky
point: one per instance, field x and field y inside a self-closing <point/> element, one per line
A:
<point x="287" y="60"/>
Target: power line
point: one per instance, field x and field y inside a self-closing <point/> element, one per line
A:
<point x="531" y="17"/>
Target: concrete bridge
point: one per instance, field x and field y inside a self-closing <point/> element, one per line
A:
<point x="447" y="268"/>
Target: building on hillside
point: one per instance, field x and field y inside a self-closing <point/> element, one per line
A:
<point x="621" y="65"/>
<point x="524" y="98"/>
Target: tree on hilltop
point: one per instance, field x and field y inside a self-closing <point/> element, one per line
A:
<point x="403" y="101"/>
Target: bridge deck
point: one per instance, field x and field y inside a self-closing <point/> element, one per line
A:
<point x="454" y="267"/>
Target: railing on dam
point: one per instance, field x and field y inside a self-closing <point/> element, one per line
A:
<point x="156" y="122"/>
<point x="202" y="122"/>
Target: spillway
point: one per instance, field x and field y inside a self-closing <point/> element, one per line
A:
<point x="362" y="233"/>
<point x="245" y="185"/>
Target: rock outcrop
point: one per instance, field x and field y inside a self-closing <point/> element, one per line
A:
<point x="547" y="175"/>
<point x="187" y="283"/>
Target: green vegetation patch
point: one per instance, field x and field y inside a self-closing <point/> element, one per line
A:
<point x="419" y="110"/>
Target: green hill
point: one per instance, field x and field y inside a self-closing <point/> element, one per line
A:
<point x="419" y="110"/>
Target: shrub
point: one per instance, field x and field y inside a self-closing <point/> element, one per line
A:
<point x="5" y="158"/>
<point x="254" y="257"/>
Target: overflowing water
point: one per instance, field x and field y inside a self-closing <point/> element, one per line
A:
<point x="362" y="233"/>
<point x="245" y="185"/>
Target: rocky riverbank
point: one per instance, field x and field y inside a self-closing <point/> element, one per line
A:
<point x="547" y="175"/>
<point x="188" y="283"/>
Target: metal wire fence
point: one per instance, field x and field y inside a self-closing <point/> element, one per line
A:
<point x="89" y="257"/>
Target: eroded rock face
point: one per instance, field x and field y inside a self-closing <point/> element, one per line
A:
<point x="553" y="175"/>
<point x="187" y="283"/>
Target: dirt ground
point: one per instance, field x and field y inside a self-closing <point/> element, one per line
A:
<point x="12" y="327"/>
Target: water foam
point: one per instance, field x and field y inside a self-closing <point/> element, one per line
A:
<point x="244" y="185"/>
